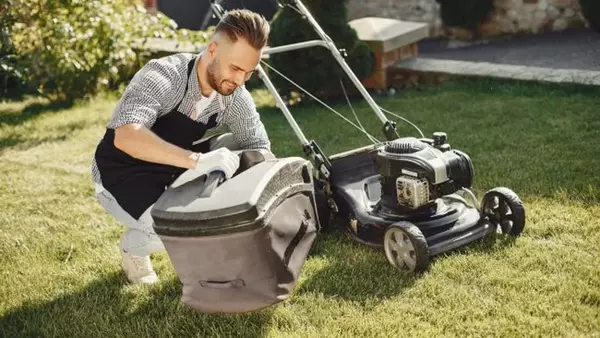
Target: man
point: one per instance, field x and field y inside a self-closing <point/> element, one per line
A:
<point x="157" y="130"/>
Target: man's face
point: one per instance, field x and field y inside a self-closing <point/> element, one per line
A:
<point x="231" y="64"/>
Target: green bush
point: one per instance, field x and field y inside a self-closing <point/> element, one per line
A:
<point x="315" y="69"/>
<point x="72" y="49"/>
<point x="467" y="14"/>
<point x="591" y="12"/>
<point x="12" y="79"/>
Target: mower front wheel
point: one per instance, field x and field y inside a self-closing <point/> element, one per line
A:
<point x="405" y="247"/>
<point x="503" y="208"/>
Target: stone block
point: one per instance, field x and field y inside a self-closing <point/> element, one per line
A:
<point x="547" y="26"/>
<point x="512" y="14"/>
<point x="553" y="12"/>
<point x="457" y="33"/>
<point x="562" y="3"/>
<point x="377" y="80"/>
<point x="491" y="28"/>
<point x="560" y="24"/>
<point x="390" y="41"/>
<point x="383" y="34"/>
<point x="506" y="4"/>
<point x="569" y="13"/>
<point x="386" y="61"/>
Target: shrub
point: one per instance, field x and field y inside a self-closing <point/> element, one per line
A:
<point x="72" y="49"/>
<point x="591" y="12"/>
<point x="12" y="79"/>
<point x="315" y="69"/>
<point x="467" y="14"/>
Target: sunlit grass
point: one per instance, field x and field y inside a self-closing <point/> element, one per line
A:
<point x="61" y="268"/>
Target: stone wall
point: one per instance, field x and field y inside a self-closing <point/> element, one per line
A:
<point x="509" y="16"/>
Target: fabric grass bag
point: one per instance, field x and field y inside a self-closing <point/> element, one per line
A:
<point x="239" y="245"/>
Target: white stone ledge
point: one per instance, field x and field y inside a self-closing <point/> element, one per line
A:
<point x="384" y="34"/>
<point x="504" y="71"/>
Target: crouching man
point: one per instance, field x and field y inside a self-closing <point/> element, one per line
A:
<point x="157" y="130"/>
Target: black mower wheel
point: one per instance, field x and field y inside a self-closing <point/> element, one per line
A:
<point x="323" y="210"/>
<point x="405" y="247"/>
<point x="503" y="208"/>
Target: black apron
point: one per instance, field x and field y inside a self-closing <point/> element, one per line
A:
<point x="137" y="184"/>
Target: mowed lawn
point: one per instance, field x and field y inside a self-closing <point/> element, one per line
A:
<point x="60" y="266"/>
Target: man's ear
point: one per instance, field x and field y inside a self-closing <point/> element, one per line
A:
<point x="212" y="48"/>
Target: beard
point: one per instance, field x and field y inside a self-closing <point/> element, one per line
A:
<point x="216" y="81"/>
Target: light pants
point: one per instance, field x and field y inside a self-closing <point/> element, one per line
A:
<point x="140" y="238"/>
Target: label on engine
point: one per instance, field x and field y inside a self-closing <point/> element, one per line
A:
<point x="410" y="173"/>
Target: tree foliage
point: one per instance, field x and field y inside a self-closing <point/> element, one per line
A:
<point x="467" y="14"/>
<point x="71" y="49"/>
<point x="591" y="12"/>
<point x="315" y="69"/>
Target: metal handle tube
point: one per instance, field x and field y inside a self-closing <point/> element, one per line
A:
<point x="336" y="53"/>
<point x="294" y="46"/>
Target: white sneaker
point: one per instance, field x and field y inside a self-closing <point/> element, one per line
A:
<point x="138" y="269"/>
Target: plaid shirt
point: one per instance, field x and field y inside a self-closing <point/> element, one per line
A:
<point x="159" y="86"/>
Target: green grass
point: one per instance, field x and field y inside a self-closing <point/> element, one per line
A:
<point x="60" y="268"/>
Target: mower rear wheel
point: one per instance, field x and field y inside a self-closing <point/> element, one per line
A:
<point x="503" y="208"/>
<point x="323" y="210"/>
<point x="405" y="247"/>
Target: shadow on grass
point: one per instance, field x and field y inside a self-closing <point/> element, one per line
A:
<point x="492" y="243"/>
<point x="61" y="133"/>
<point x="36" y="107"/>
<point x="356" y="272"/>
<point x="353" y="271"/>
<point x="110" y="307"/>
<point x="13" y="118"/>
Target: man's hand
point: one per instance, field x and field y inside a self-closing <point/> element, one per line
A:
<point x="220" y="159"/>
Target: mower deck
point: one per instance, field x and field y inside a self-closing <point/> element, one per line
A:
<point x="356" y="190"/>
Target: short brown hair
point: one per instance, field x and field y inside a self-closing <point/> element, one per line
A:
<point x="246" y="24"/>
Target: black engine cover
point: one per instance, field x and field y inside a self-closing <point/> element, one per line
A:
<point x="445" y="170"/>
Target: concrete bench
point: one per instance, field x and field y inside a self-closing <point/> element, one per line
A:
<point x="391" y="41"/>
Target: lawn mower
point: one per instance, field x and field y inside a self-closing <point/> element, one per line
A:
<point x="239" y="244"/>
<point x="410" y="196"/>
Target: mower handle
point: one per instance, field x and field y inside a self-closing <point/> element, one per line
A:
<point x="248" y="158"/>
<point x="213" y="179"/>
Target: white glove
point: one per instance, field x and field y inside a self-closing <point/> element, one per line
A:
<point x="220" y="159"/>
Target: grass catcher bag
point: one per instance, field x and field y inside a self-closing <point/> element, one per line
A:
<point x="239" y="245"/>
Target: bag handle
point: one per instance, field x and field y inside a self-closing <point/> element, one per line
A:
<point x="229" y="284"/>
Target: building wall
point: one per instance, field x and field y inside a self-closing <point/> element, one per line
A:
<point x="509" y="16"/>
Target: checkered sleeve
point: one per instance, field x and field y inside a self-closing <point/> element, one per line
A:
<point x="245" y="124"/>
<point x="152" y="91"/>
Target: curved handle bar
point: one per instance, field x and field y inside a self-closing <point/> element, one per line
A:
<point x="213" y="179"/>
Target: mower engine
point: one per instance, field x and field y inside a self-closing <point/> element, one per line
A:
<point x="415" y="172"/>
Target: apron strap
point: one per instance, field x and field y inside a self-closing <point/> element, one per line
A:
<point x="190" y="67"/>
